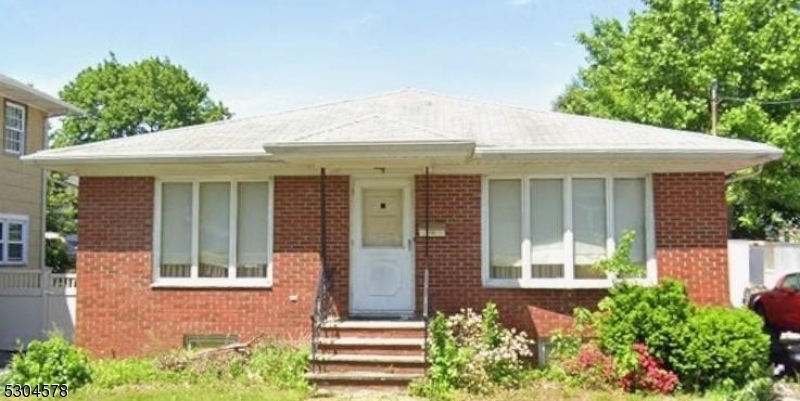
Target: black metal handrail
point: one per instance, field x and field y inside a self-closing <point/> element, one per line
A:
<point x="323" y="296"/>
<point x="320" y="310"/>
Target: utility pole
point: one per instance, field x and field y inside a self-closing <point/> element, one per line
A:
<point x="714" y="105"/>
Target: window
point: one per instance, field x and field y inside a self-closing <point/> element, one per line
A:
<point x="14" y="129"/>
<point x="213" y="234"/>
<point x="791" y="282"/>
<point x="548" y="232"/>
<point x="13" y="240"/>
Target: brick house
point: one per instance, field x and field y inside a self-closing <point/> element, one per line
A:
<point x="386" y="207"/>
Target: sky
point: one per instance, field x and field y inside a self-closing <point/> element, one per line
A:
<point x="264" y="56"/>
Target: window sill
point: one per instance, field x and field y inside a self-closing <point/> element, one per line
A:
<point x="13" y="264"/>
<point x="212" y="283"/>
<point x="556" y="284"/>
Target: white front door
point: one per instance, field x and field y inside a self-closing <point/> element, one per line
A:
<point x="382" y="270"/>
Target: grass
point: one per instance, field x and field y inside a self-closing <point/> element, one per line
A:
<point x="181" y="392"/>
<point x="541" y="390"/>
<point x="546" y="391"/>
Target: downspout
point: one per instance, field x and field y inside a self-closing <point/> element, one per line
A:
<point x="45" y="181"/>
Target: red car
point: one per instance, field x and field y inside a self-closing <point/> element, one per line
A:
<point x="780" y="306"/>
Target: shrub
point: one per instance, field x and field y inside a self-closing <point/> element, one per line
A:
<point x="57" y="257"/>
<point x="649" y="375"/>
<point x="652" y="315"/>
<point x="278" y="365"/>
<point x="275" y="365"/>
<point x="756" y="390"/>
<point x="619" y="264"/>
<point x="110" y="373"/>
<point x="589" y="367"/>
<point x="52" y="361"/>
<point x="473" y="352"/>
<point x="566" y="343"/>
<point x="720" y="347"/>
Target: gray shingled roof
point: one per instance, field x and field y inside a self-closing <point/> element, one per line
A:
<point x="414" y="116"/>
<point x="18" y="91"/>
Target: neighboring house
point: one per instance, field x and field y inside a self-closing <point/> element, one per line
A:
<point x="216" y="228"/>
<point x="24" y="112"/>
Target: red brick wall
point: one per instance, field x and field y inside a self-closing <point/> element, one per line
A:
<point x="120" y="314"/>
<point x="455" y="263"/>
<point x="691" y="239"/>
<point x="692" y="233"/>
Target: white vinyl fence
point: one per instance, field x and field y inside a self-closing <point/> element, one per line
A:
<point x="759" y="262"/>
<point x="33" y="302"/>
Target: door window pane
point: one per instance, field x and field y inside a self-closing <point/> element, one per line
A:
<point x="505" y="229"/>
<point x="252" y="230"/>
<point x="547" y="228"/>
<point x="176" y="230"/>
<point x="214" y="229"/>
<point x="382" y="223"/>
<point x="589" y="226"/>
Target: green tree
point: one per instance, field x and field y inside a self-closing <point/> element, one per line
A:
<point x="122" y="100"/>
<point x="62" y="208"/>
<point x="658" y="67"/>
<point x="131" y="99"/>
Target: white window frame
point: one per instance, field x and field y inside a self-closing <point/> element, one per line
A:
<point x="568" y="281"/>
<point x="194" y="280"/>
<point x="8" y="219"/>
<point x="21" y="132"/>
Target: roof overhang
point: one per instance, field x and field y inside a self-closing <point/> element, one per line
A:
<point x="451" y="155"/>
<point x="55" y="160"/>
<point x="451" y="150"/>
<point x="17" y="91"/>
<point x="682" y="159"/>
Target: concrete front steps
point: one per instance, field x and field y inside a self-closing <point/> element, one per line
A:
<point x="369" y="353"/>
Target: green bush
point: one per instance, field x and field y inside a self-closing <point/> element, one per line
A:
<point x="274" y="365"/>
<point x="720" y="346"/>
<point x="110" y="373"/>
<point x="57" y="257"/>
<point x="714" y="348"/>
<point x="652" y="315"/>
<point x="280" y="366"/>
<point x="757" y="390"/>
<point x="619" y="264"/>
<point x="52" y="361"/>
<point x="474" y="353"/>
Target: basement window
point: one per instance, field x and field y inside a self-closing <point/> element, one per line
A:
<point x="213" y="234"/>
<point x="201" y="341"/>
